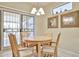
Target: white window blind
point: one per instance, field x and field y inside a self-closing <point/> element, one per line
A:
<point x="62" y="8"/>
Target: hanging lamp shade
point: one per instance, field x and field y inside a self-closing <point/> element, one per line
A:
<point x="33" y="11"/>
<point x="41" y="11"/>
<point x="38" y="13"/>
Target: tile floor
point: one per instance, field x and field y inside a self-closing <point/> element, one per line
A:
<point x="62" y="53"/>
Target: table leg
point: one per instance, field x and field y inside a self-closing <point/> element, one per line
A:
<point x="39" y="50"/>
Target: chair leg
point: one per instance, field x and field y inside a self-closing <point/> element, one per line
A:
<point x="55" y="54"/>
<point x="13" y="55"/>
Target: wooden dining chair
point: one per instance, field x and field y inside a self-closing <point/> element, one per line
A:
<point x="51" y="50"/>
<point x="16" y="51"/>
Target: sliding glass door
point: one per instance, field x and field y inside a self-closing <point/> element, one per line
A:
<point x="11" y="25"/>
<point x="15" y="23"/>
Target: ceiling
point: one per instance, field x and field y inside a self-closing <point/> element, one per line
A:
<point x="40" y="3"/>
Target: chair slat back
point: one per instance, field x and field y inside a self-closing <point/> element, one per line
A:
<point x="13" y="43"/>
<point x="57" y="41"/>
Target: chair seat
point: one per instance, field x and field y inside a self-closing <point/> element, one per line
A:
<point x="26" y="48"/>
<point x="51" y="50"/>
<point x="48" y="49"/>
<point x="25" y="53"/>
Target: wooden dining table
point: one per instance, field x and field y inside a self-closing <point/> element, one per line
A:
<point x="38" y="40"/>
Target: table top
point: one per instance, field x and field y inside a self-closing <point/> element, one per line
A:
<point x="38" y="38"/>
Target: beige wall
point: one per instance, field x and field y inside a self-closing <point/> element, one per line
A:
<point x="70" y="36"/>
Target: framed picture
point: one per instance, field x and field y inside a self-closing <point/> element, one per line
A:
<point x="70" y="19"/>
<point x="53" y="22"/>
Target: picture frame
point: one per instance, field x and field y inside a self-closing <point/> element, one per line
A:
<point x="53" y="22"/>
<point x="69" y="20"/>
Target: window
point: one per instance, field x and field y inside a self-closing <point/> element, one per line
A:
<point x="62" y="8"/>
<point x="11" y="25"/>
<point x="28" y="25"/>
<point x="14" y="23"/>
